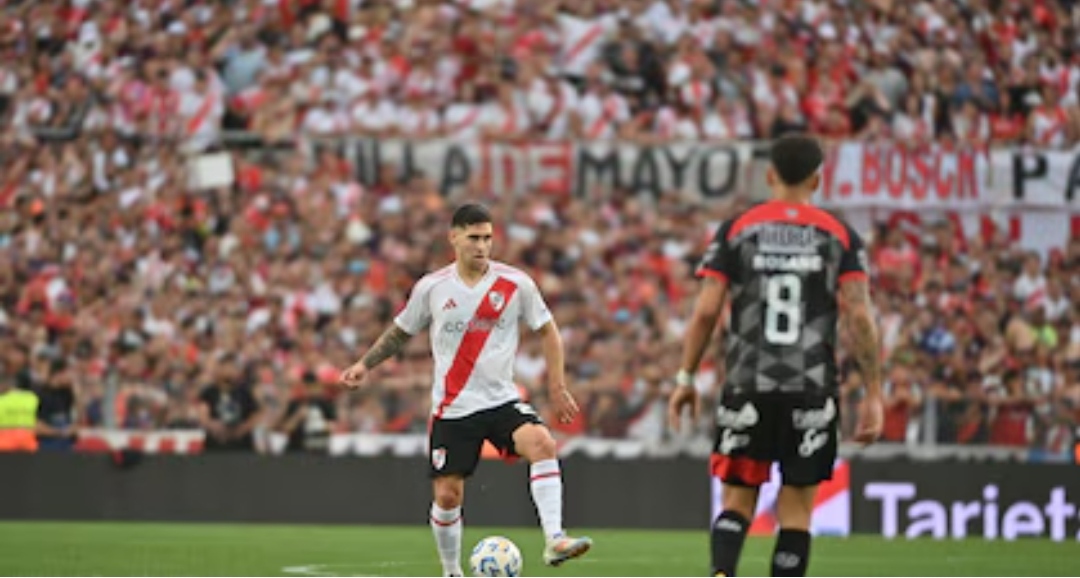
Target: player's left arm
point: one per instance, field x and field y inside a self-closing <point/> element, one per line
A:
<point x="562" y="400"/>
<point x="535" y="314"/>
<point x="554" y="357"/>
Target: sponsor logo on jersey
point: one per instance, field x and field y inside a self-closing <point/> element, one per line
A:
<point x="472" y="325"/>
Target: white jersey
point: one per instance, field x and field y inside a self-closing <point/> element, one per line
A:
<point x="474" y="334"/>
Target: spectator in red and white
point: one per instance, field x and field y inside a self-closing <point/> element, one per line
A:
<point x="771" y="91"/>
<point x="324" y="118"/>
<point x="1030" y="284"/>
<point x="461" y="118"/>
<point x="1056" y="303"/>
<point x="728" y="119"/>
<point x="551" y="102"/>
<point x="201" y="109"/>
<point x="970" y="125"/>
<point x="1049" y="124"/>
<point x="1006" y="123"/>
<point x="903" y="399"/>
<point x="416" y="117"/>
<point x="375" y="114"/>
<point x="603" y="111"/>
<point x="506" y="115"/>
<point x="583" y="30"/>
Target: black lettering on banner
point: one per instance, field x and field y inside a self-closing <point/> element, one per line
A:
<point x="605" y="167"/>
<point x="1074" y="180"/>
<point x="367" y="159"/>
<point x="646" y="176"/>
<point x="456" y="169"/>
<point x="408" y="162"/>
<point x="718" y="168"/>
<point x="1025" y="167"/>
<point x="678" y="167"/>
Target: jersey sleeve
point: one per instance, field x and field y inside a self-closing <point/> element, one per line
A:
<point x="718" y="261"/>
<point x="854" y="263"/>
<point x="416" y="316"/>
<point x="534" y="311"/>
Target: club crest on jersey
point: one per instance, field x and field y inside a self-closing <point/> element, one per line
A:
<point x="497" y="300"/>
<point x="438" y="458"/>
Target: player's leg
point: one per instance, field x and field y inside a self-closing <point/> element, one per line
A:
<point x="742" y="458"/>
<point x="728" y="532"/>
<point x="446" y="522"/>
<point x="455" y="451"/>
<point x="810" y="447"/>
<point x="794" y="508"/>
<point x="518" y="430"/>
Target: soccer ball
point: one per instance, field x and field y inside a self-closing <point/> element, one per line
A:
<point x="495" y="556"/>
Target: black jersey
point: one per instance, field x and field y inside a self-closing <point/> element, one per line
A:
<point x="783" y="263"/>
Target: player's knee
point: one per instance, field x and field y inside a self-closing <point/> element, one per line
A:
<point x="449" y="493"/>
<point x="546" y="448"/>
<point x="795" y="507"/>
<point x="740" y="500"/>
<point x="538" y="445"/>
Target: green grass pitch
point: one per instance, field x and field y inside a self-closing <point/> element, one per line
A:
<point x="137" y="549"/>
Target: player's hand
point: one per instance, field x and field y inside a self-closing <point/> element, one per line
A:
<point x="871" y="419"/>
<point x="353" y="377"/>
<point x="566" y="408"/>
<point x="681" y="397"/>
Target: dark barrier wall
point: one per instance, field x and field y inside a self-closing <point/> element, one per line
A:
<point x="325" y="490"/>
<point x="955" y="500"/>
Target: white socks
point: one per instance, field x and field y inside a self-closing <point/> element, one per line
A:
<point x="545" y="481"/>
<point x="446" y="525"/>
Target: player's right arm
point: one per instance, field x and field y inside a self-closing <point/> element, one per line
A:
<point x="716" y="269"/>
<point x="857" y="313"/>
<point x="412" y="320"/>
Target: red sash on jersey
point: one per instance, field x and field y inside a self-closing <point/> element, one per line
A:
<point x="590" y="36"/>
<point x="607" y="113"/>
<point x="556" y="108"/>
<point x="480" y="326"/>
<point x="466" y="122"/>
<point x="197" y="119"/>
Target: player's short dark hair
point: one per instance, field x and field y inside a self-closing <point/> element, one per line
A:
<point x="470" y="214"/>
<point x="795" y="157"/>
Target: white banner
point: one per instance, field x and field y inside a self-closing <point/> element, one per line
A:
<point x="697" y="170"/>
<point x="1048" y="179"/>
<point x="870" y="175"/>
<point x="1028" y="196"/>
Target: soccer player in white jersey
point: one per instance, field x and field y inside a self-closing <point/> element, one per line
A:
<point x="473" y="308"/>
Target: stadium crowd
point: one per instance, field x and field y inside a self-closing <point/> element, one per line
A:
<point x="245" y="301"/>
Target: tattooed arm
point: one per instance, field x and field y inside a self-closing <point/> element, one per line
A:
<point x="388" y="345"/>
<point x="859" y="317"/>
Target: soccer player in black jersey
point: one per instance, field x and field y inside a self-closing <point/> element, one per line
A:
<point x="792" y="272"/>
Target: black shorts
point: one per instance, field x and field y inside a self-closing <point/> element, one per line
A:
<point x="456" y="443"/>
<point x="754" y="431"/>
